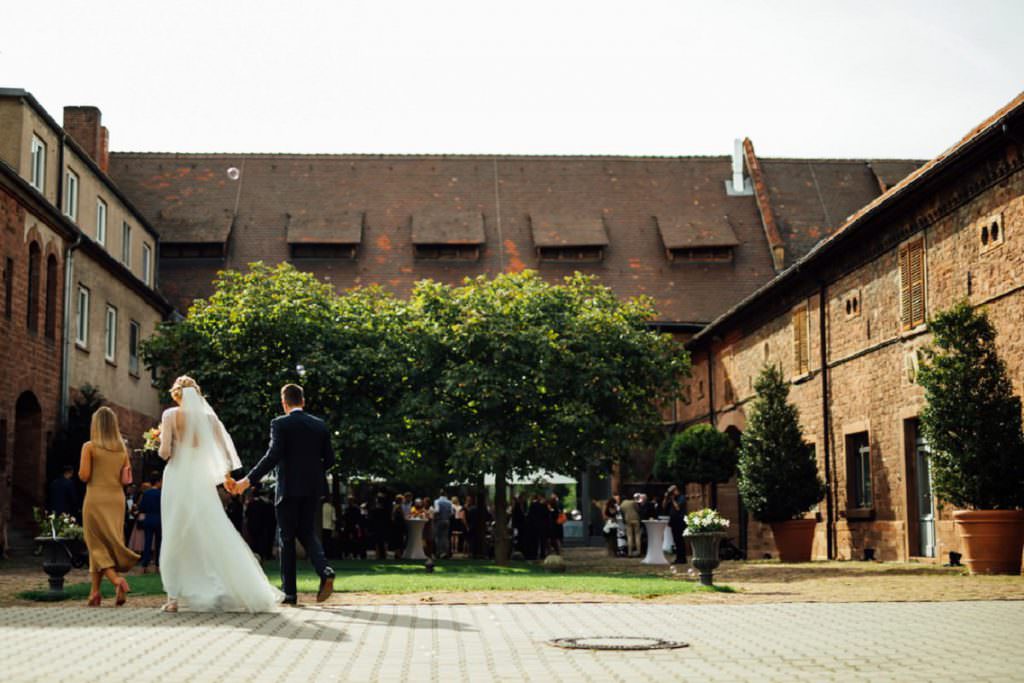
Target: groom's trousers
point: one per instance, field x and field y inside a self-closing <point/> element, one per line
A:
<point x="296" y="519"/>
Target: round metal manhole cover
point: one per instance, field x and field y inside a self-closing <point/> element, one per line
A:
<point x="616" y="643"/>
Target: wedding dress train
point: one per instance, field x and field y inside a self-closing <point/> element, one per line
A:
<point x="205" y="564"/>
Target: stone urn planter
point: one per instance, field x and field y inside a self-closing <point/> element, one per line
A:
<point x="794" y="539"/>
<point x="57" y="555"/>
<point x="705" y="553"/>
<point x="992" y="540"/>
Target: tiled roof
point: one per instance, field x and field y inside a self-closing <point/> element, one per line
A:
<point x="448" y="227"/>
<point x="695" y="230"/>
<point x="569" y="230"/>
<point x="811" y="197"/>
<point x="345" y="227"/>
<point x="633" y="205"/>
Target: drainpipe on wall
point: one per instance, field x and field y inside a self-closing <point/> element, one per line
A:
<point x="69" y="257"/>
<point x="826" y="423"/>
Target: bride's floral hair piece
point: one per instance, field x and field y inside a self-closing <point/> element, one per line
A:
<point x="181" y="383"/>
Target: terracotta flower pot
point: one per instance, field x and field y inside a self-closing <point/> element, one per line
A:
<point x="794" y="539"/>
<point x="992" y="540"/>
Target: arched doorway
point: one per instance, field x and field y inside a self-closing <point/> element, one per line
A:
<point x="27" y="488"/>
<point x="734" y="434"/>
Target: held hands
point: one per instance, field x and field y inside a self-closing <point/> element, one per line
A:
<point x="236" y="488"/>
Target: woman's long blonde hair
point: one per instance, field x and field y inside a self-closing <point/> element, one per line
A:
<point x="105" y="432"/>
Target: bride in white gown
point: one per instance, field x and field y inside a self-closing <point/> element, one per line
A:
<point x="204" y="562"/>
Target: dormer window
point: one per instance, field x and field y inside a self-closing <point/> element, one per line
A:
<point x="448" y="235"/>
<point x="561" y="237"/>
<point x="328" y="237"/>
<point x="192" y="250"/>
<point x="696" y="240"/>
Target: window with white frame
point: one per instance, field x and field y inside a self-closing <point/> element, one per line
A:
<point x="126" y="244"/>
<point x="82" y="330"/>
<point x="101" y="221"/>
<point x="110" y="335"/>
<point x="71" y="195"/>
<point x="133" y="348"/>
<point x="38" y="170"/>
<point x="147" y="264"/>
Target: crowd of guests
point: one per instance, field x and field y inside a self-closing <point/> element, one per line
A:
<point x="624" y="531"/>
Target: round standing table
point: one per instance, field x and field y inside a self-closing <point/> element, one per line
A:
<point x="414" y="539"/>
<point x="655" y="536"/>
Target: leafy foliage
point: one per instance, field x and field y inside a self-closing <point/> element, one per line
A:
<point x="67" y="444"/>
<point x="778" y="474"/>
<point x="972" y="421"/>
<point x="701" y="454"/>
<point x="504" y="375"/>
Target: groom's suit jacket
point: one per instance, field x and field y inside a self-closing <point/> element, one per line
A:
<point x="300" y="449"/>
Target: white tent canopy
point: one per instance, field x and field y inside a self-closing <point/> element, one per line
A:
<point x="536" y="477"/>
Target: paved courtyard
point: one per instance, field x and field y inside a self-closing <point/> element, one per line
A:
<point x="877" y="641"/>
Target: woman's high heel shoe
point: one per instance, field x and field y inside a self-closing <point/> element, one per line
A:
<point x="94" y="600"/>
<point x="122" y="590"/>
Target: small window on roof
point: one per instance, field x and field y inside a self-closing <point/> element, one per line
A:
<point x="569" y="237"/>
<point x="192" y="250"/>
<point x="693" y="239"/>
<point x="327" y="236"/>
<point x="448" y="235"/>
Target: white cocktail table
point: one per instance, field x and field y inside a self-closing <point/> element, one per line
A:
<point x="414" y="540"/>
<point x="655" y="538"/>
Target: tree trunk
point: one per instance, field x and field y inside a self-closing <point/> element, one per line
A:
<point x="502" y="549"/>
<point x="714" y="495"/>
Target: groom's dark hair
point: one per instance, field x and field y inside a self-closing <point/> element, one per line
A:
<point x="292" y="394"/>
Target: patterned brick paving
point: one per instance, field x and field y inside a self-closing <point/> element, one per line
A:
<point x="875" y="641"/>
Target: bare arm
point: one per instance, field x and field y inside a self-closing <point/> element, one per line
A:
<point x="85" y="466"/>
<point x="166" y="435"/>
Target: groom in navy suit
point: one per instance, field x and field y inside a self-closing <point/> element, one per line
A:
<point x="300" y="449"/>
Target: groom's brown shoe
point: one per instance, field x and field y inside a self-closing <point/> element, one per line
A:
<point x="326" y="585"/>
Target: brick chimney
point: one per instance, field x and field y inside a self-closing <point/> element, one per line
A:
<point x="84" y="125"/>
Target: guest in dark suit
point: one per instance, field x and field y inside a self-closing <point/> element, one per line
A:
<point x="300" y="450"/>
<point x="149" y="508"/>
<point x="63" y="494"/>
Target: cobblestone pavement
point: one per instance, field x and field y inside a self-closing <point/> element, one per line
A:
<point x="869" y="641"/>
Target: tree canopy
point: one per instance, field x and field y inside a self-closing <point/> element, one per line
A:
<point x="972" y="422"/>
<point x="504" y="375"/>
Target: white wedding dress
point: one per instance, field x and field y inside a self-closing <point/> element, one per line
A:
<point x="205" y="564"/>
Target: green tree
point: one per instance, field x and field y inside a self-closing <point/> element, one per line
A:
<point x="700" y="454"/>
<point x="972" y="422"/>
<point x="778" y="473"/>
<point x="268" y="326"/>
<point x="526" y="375"/>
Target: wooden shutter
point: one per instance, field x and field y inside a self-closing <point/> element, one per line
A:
<point x="801" y="355"/>
<point x="912" y="284"/>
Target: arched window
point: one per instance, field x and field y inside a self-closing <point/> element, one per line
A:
<point x="51" y="296"/>
<point x="34" y="256"/>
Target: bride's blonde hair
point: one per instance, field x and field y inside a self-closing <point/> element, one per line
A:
<point x="181" y="383"/>
<point x="104" y="431"/>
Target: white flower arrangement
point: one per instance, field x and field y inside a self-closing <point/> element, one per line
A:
<point x="705" y="521"/>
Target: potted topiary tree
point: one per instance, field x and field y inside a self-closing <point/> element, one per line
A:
<point x="778" y="474"/>
<point x="701" y="455"/>
<point x="972" y="423"/>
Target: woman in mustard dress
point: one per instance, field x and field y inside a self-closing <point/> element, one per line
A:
<point x="104" y="457"/>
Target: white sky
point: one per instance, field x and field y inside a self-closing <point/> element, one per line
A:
<point x="868" y="78"/>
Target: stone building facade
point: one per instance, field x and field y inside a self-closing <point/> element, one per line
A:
<point x="846" y="323"/>
<point x="80" y="275"/>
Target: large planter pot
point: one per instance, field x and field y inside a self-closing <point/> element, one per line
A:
<point x="705" y="553"/>
<point x="794" y="539"/>
<point x="56" y="562"/>
<point x="992" y="540"/>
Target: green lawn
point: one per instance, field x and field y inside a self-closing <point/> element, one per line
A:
<point x="392" y="577"/>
